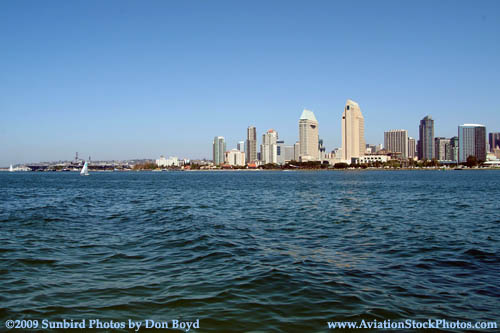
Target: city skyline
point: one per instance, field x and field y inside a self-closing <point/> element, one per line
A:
<point x="123" y="80"/>
<point x="390" y="141"/>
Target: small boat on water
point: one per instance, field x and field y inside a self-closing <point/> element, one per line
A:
<point x="85" y="170"/>
<point x="11" y="169"/>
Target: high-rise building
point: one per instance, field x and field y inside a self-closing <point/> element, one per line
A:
<point x="251" y="145"/>
<point x="241" y="146"/>
<point x="269" y="148"/>
<point x="296" y="151"/>
<point x="442" y="149"/>
<point x="412" y="148"/>
<point x="472" y="142"/>
<point x="235" y="157"/>
<point x="308" y="136"/>
<point x="219" y="149"/>
<point x="285" y="153"/>
<point x="426" y="139"/>
<point x="396" y="141"/>
<point x="494" y="140"/>
<point x="353" y="132"/>
<point x="321" y="150"/>
<point x="454" y="143"/>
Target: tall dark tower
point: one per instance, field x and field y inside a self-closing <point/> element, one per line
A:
<point x="426" y="139"/>
<point x="494" y="140"/>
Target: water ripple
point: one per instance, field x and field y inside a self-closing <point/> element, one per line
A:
<point x="253" y="252"/>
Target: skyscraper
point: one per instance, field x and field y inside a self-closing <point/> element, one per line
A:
<point x="426" y="139"/>
<point x="219" y="149"/>
<point x="251" y="145"/>
<point x="296" y="151"/>
<point x="285" y="153"/>
<point x="308" y="136"/>
<point x="353" y="132"/>
<point x="396" y="141"/>
<point x="241" y="146"/>
<point x="412" y="148"/>
<point x="454" y="143"/>
<point x="269" y="148"/>
<point x="494" y="140"/>
<point x="442" y="149"/>
<point x="471" y="142"/>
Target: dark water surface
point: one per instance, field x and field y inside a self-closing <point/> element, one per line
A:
<point x="251" y="251"/>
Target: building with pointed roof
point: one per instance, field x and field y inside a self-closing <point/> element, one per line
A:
<point x="308" y="136"/>
<point x="353" y="132"/>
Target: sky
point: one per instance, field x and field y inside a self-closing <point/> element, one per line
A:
<point x="140" y="79"/>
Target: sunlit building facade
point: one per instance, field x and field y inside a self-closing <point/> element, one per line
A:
<point x="353" y="132"/>
<point x="308" y="136"/>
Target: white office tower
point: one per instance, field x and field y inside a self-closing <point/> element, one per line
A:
<point x="396" y="141"/>
<point x="241" y="146"/>
<point x="308" y="137"/>
<point x="269" y="147"/>
<point x="219" y="148"/>
<point x="353" y="132"/>
<point x="235" y="157"/>
<point x="412" y="148"/>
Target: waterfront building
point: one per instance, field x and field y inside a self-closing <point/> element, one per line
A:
<point x="235" y="157"/>
<point x="353" y="132"/>
<point x="269" y="147"/>
<point x="426" y="139"/>
<point x="454" y="144"/>
<point x="241" y="146"/>
<point x="396" y="141"/>
<point x="163" y="162"/>
<point x="373" y="158"/>
<point x="296" y="151"/>
<point x="308" y="136"/>
<point x="284" y="153"/>
<point x="494" y="140"/>
<point x="219" y="149"/>
<point x="472" y="142"/>
<point x="412" y="148"/>
<point x="442" y="149"/>
<point x="251" y="145"/>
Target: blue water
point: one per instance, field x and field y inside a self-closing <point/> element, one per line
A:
<point x="250" y="251"/>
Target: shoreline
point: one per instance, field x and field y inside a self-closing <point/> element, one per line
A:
<point x="260" y="170"/>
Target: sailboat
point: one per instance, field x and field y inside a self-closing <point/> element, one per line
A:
<point x="85" y="170"/>
<point x="11" y="169"/>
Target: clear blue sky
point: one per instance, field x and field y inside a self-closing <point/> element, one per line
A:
<point x="125" y="79"/>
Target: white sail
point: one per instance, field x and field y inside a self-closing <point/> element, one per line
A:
<point x="11" y="168"/>
<point x="85" y="170"/>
